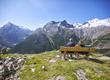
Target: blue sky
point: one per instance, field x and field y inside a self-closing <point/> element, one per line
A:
<point x="36" y="13"/>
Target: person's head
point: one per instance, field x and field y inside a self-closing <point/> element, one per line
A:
<point x="70" y="39"/>
<point x="81" y="41"/>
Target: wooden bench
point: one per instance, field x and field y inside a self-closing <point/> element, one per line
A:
<point x="76" y="51"/>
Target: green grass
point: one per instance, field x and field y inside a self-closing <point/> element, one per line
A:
<point x="94" y="70"/>
<point x="103" y="50"/>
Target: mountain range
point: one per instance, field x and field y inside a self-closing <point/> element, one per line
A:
<point x="55" y="34"/>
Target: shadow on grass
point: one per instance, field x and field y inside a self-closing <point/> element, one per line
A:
<point x="108" y="55"/>
<point x="96" y="60"/>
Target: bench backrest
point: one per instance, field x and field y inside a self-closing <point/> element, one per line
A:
<point x="77" y="48"/>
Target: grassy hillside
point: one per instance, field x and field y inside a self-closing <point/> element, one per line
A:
<point x="48" y="65"/>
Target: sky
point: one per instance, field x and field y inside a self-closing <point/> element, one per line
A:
<point x="33" y="14"/>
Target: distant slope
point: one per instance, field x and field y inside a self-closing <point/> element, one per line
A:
<point x="37" y="42"/>
<point x="103" y="41"/>
<point x="102" y="44"/>
<point x="95" y="28"/>
<point x="4" y="43"/>
<point x="13" y="34"/>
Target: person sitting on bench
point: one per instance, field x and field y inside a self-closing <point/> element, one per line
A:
<point x="70" y="43"/>
<point x="81" y="43"/>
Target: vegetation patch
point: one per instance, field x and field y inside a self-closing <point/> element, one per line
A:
<point x="38" y="67"/>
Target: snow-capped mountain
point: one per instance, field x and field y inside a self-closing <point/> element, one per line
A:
<point x="94" y="28"/>
<point x="96" y="23"/>
<point x="53" y="26"/>
<point x="55" y="34"/>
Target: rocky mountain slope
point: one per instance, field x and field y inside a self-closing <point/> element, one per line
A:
<point x="95" y="28"/>
<point x="51" y="36"/>
<point x="4" y="43"/>
<point x="103" y="42"/>
<point x="56" y="34"/>
<point x="13" y="34"/>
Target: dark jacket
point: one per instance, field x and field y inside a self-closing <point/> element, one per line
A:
<point x="70" y="44"/>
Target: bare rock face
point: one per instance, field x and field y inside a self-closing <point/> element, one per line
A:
<point x="9" y="68"/>
<point x="57" y="78"/>
<point x="81" y="75"/>
<point x="60" y="78"/>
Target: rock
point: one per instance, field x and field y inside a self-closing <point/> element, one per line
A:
<point x="57" y="78"/>
<point x="57" y="56"/>
<point x="60" y="78"/>
<point x="33" y="69"/>
<point x="44" y="68"/>
<point x="9" y="68"/>
<point x="52" y="61"/>
<point x="70" y="60"/>
<point x="80" y="74"/>
<point x="52" y="78"/>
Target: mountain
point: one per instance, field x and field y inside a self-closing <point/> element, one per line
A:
<point x="55" y="34"/>
<point x="13" y="34"/>
<point x="37" y="42"/>
<point x="92" y="29"/>
<point x="103" y="42"/>
<point x="95" y="28"/>
<point x="59" y="33"/>
<point x="51" y="36"/>
<point x="4" y="43"/>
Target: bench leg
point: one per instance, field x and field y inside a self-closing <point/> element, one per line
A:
<point x="77" y="55"/>
<point x="87" y="56"/>
<point x="65" y="55"/>
<point x="71" y="56"/>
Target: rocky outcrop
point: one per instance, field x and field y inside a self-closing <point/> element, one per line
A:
<point x="81" y="75"/>
<point x="57" y="78"/>
<point x="9" y="68"/>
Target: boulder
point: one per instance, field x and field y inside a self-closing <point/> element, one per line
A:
<point x="9" y="68"/>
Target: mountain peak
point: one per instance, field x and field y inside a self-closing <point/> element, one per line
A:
<point x="13" y="33"/>
<point x="94" y="20"/>
<point x="53" y="22"/>
<point x="9" y="24"/>
<point x="64" y="22"/>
